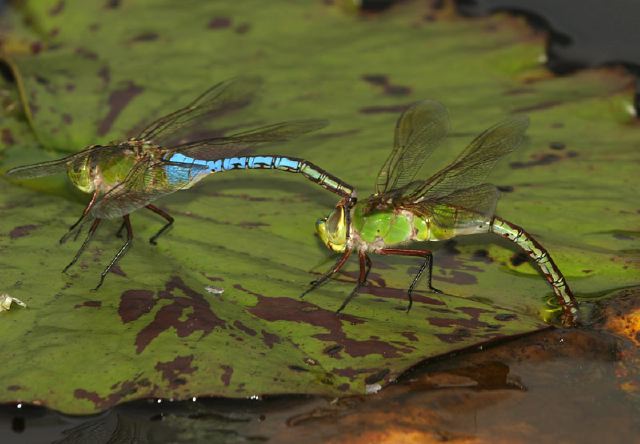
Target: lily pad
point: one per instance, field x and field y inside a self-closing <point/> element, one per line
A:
<point x="95" y="72"/>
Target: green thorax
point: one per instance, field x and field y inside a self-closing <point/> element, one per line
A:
<point x="384" y="228"/>
<point x="107" y="166"/>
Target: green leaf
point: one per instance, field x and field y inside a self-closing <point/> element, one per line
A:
<point x="99" y="70"/>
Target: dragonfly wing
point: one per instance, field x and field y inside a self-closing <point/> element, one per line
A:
<point x="473" y="165"/>
<point x="144" y="184"/>
<point x="462" y="208"/>
<point x="419" y="131"/>
<point x="54" y="166"/>
<point x="225" y="96"/>
<point x="241" y="143"/>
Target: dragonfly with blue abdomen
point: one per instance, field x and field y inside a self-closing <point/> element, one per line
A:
<point x="125" y="176"/>
<point x="453" y="202"/>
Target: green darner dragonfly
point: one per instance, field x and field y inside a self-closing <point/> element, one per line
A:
<point x="125" y="176"/>
<point x="454" y="201"/>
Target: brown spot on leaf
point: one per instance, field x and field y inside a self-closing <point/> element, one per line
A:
<point x="544" y="159"/>
<point x="145" y="37"/>
<point x="377" y="376"/>
<point x="226" y="375"/>
<point x="86" y="53"/>
<point x="458" y="335"/>
<point x="173" y="371"/>
<point x="105" y="74"/>
<point x="135" y="303"/>
<point x="118" y="100"/>
<point x="557" y="146"/>
<point x="112" y="4"/>
<point x="240" y="326"/>
<point x="504" y="317"/>
<point x="21" y="231"/>
<point x="269" y="338"/>
<point x="199" y="316"/>
<point x="286" y="309"/>
<point x="219" y="23"/>
<point x="472" y="323"/>
<point x="383" y="81"/>
<point x="409" y="335"/>
<point x="243" y="28"/>
<point x="7" y="137"/>
<point x="14" y="388"/>
<point x="57" y="8"/>
<point x="102" y="402"/>
<point x="67" y="119"/>
<point x="505" y="188"/>
<point x="96" y="304"/>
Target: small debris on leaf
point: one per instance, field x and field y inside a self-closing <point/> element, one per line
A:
<point x="214" y="290"/>
<point x="6" y="301"/>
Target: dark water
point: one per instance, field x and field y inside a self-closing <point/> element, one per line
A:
<point x="582" y="34"/>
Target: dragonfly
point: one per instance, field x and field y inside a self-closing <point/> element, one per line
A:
<point x="455" y="201"/>
<point x="128" y="175"/>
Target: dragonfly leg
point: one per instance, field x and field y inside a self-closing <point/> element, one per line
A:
<point x="428" y="263"/>
<point x="120" y="252"/>
<point x="325" y="277"/>
<point x="92" y="230"/>
<point x="123" y="225"/>
<point x="365" y="268"/>
<point x="86" y="210"/>
<point x="166" y="216"/>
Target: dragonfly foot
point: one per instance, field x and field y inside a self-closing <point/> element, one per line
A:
<point x="435" y="290"/>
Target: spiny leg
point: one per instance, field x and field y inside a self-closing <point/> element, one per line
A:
<point x="86" y="210"/>
<point x="168" y="218"/>
<point x="92" y="230"/>
<point x="428" y="262"/>
<point x="120" y="252"/>
<point x="365" y="268"/>
<point x="325" y="277"/>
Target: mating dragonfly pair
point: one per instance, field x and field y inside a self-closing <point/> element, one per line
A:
<point x="123" y="177"/>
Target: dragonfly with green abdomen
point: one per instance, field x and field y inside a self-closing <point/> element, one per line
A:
<point x="125" y="176"/>
<point x="454" y="201"/>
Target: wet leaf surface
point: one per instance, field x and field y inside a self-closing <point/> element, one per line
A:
<point x="154" y="330"/>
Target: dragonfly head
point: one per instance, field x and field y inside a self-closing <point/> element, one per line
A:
<point x="333" y="229"/>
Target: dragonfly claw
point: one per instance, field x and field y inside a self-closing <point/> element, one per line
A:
<point x="435" y="290"/>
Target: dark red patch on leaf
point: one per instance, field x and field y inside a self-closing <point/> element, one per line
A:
<point x="21" y="231"/>
<point x="117" y="102"/>
<point x="126" y="388"/>
<point x="286" y="309"/>
<point x="457" y="336"/>
<point x="135" y="303"/>
<point x="409" y="335"/>
<point x="473" y="323"/>
<point x="377" y="376"/>
<point x="240" y="326"/>
<point x="383" y="81"/>
<point x="538" y="106"/>
<point x="7" y="137"/>
<point x="145" y="37"/>
<point x="269" y="338"/>
<point x="57" y="8"/>
<point x="544" y="159"/>
<point x="243" y="28"/>
<point x="200" y="317"/>
<point x="226" y="375"/>
<point x="86" y="53"/>
<point x="67" y="119"/>
<point x="219" y="23"/>
<point x="105" y="74"/>
<point x="117" y="269"/>
<point x="95" y="304"/>
<point x="173" y="371"/>
<point x="519" y="259"/>
<point x="14" y="388"/>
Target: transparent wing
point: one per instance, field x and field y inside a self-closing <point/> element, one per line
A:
<point x="419" y="131"/>
<point x="145" y="183"/>
<point x="225" y="96"/>
<point x="53" y="166"/>
<point x="241" y="143"/>
<point x="473" y="165"/>
<point x="462" y="208"/>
